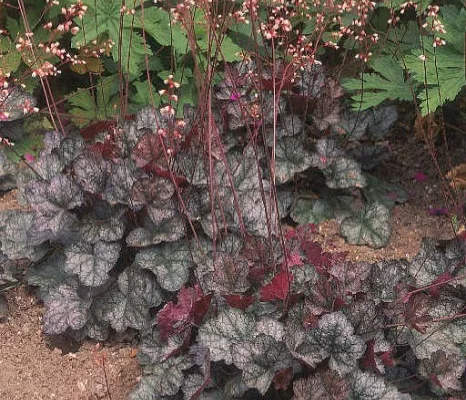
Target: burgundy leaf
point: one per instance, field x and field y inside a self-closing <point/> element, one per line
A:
<point x="91" y="131"/>
<point x="149" y="151"/>
<point x="387" y="359"/>
<point x="282" y="378"/>
<point x="176" y="317"/>
<point x="238" y="301"/>
<point x="278" y="288"/>
<point x="437" y="284"/>
<point x="368" y="361"/>
<point x="200" y="308"/>
<point x="417" y="312"/>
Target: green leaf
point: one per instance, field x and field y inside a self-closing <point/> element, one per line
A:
<point x="9" y="56"/>
<point x="96" y="105"/>
<point x="387" y="82"/>
<point x="441" y="75"/>
<point x="144" y="93"/>
<point x="104" y="17"/>
<point x="371" y="227"/>
<point x="454" y="21"/>
<point x="156" y="22"/>
<point x="222" y="333"/>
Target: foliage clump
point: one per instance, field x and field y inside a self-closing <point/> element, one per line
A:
<point x="128" y="230"/>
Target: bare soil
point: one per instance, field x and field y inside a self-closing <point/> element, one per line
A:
<point x="32" y="369"/>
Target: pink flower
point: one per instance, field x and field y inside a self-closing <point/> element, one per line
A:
<point x="420" y="176"/>
<point x="235" y="96"/>
<point x="29" y="157"/>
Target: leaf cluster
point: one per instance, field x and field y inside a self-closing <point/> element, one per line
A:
<point x="124" y="234"/>
<point x="410" y="63"/>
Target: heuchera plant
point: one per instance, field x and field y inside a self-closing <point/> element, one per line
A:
<point x="150" y="225"/>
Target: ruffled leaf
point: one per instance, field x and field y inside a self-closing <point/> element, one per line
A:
<point x="371" y="227"/>
<point x="92" y="262"/>
<point x="65" y="309"/>
<point x="260" y="359"/>
<point x="128" y="304"/>
<point x="170" y="262"/>
<point x="222" y="333"/>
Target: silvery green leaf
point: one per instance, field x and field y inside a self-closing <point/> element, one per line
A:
<point x="366" y="320"/>
<point x="448" y="369"/>
<point x="170" y="262"/>
<point x="230" y="327"/>
<point x="344" y="173"/>
<point x="50" y="273"/>
<point x="383" y="118"/>
<point x="369" y="156"/>
<point x="48" y="165"/>
<point x="61" y="227"/>
<point x="154" y="190"/>
<point x="70" y="147"/>
<point x="326" y="385"/>
<point x="163" y="379"/>
<point x="235" y="387"/>
<point x="224" y="270"/>
<point x="10" y="271"/>
<point x="191" y="165"/>
<point x="259" y="359"/>
<point x="107" y="230"/>
<point x="384" y="278"/>
<point x="127" y="305"/>
<point x="95" y="328"/>
<point x="90" y="172"/>
<point x="354" y="124"/>
<point x="429" y="263"/>
<point x="15" y="227"/>
<point x="270" y="327"/>
<point x="52" y="140"/>
<point x="371" y="227"/>
<point x="333" y="337"/>
<point x="92" y="262"/>
<point x="169" y="227"/>
<point x="304" y="278"/>
<point x="192" y="384"/>
<point x="336" y="336"/>
<point x="48" y="198"/>
<point x="12" y="101"/>
<point x="311" y="211"/>
<point x="384" y="193"/>
<point x="152" y="350"/>
<point x="119" y="184"/>
<point x="290" y="158"/>
<point x="139" y="237"/>
<point x="8" y="172"/>
<point x="65" y="309"/>
<point x="148" y="118"/>
<point x="365" y="385"/>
